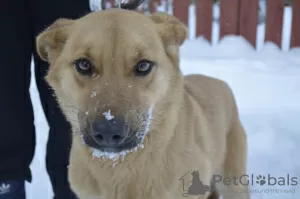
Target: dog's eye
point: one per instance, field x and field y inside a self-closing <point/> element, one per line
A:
<point x="83" y="66"/>
<point x="143" y="68"/>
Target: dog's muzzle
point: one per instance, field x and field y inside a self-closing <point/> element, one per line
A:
<point x="112" y="135"/>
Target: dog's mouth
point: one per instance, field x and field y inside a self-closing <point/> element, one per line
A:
<point x="128" y="144"/>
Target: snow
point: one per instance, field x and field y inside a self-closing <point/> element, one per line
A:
<point x="108" y="115"/>
<point x="266" y="84"/>
<point x="145" y="124"/>
<point x="115" y="157"/>
<point x="93" y="94"/>
<point x="266" y="87"/>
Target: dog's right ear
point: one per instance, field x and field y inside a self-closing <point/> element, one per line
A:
<point x="172" y="31"/>
<point x="50" y="42"/>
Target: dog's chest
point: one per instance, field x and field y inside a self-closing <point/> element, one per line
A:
<point x="155" y="180"/>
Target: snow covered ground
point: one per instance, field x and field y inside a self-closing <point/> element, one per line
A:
<point x="266" y="84"/>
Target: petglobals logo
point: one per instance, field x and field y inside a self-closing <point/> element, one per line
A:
<point x="270" y="180"/>
<point x="262" y="180"/>
<point x="192" y="184"/>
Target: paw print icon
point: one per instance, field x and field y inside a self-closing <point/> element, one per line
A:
<point x="261" y="180"/>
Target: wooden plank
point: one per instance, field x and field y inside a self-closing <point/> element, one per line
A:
<point x="295" y="37"/>
<point x="204" y="18"/>
<point x="274" y="21"/>
<point x="107" y="4"/>
<point x="153" y="5"/>
<point x="229" y="17"/>
<point x="181" y="10"/>
<point x="112" y="3"/>
<point x="248" y="20"/>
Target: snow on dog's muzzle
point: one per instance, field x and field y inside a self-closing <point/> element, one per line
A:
<point x="114" y="134"/>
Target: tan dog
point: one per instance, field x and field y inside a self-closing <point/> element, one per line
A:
<point x="138" y="124"/>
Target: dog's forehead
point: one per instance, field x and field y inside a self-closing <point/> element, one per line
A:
<point x="113" y="24"/>
<point x="116" y="20"/>
<point x="115" y="31"/>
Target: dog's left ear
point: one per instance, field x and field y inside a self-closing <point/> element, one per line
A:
<point x="50" y="42"/>
<point x="172" y="31"/>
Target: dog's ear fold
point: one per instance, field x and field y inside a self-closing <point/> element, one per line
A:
<point x="50" y="42"/>
<point x="172" y="31"/>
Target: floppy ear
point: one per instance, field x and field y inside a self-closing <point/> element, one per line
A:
<point x="50" y="42"/>
<point x="172" y="31"/>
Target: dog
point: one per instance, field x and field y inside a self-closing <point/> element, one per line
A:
<point x="138" y="124"/>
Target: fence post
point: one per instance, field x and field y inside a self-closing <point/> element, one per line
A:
<point x="153" y="5"/>
<point x="181" y="10"/>
<point x="249" y="20"/>
<point x="204" y="14"/>
<point x="274" y="21"/>
<point x="295" y="38"/>
<point x="229" y="17"/>
<point x="112" y="3"/>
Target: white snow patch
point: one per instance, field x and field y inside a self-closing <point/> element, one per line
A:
<point x="82" y="139"/>
<point x="145" y="125"/>
<point x="108" y="115"/>
<point x="95" y="76"/>
<point x="114" y="156"/>
<point x="93" y="94"/>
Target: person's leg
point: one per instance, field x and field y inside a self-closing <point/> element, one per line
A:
<point x="17" y="134"/>
<point x="59" y="143"/>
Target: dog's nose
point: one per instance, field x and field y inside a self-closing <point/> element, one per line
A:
<point x="109" y="132"/>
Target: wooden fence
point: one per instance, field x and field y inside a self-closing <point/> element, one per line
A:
<point x="238" y="17"/>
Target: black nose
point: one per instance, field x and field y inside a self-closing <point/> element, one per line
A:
<point x="109" y="132"/>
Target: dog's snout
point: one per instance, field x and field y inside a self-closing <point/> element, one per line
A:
<point x="109" y="132"/>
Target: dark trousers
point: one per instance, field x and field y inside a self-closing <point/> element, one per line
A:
<point x="20" y="22"/>
<point x="12" y="190"/>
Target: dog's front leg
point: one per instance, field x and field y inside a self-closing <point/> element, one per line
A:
<point x="235" y="163"/>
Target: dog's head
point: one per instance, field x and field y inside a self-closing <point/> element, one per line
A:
<point x="113" y="72"/>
